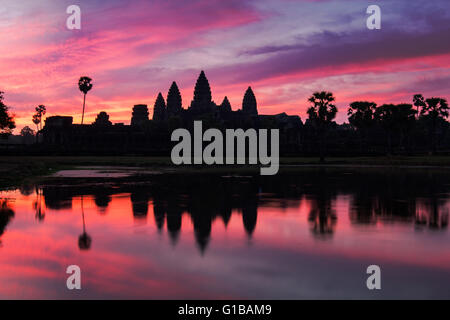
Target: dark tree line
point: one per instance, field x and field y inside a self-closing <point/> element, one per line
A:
<point x="387" y="129"/>
<point x="7" y="123"/>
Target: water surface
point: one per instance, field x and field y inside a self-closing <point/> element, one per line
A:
<point x="308" y="233"/>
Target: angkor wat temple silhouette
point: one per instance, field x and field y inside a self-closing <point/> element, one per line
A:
<point x="147" y="136"/>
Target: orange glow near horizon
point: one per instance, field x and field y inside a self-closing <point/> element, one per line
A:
<point x="132" y="51"/>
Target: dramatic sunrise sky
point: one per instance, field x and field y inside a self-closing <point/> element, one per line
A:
<point x="284" y="49"/>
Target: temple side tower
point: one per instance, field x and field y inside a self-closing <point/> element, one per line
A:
<point x="225" y="106"/>
<point x="159" y="109"/>
<point x="249" y="105"/>
<point x="140" y="115"/>
<point x="174" y="103"/>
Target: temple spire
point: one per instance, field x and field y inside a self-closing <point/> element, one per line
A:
<point x="159" y="110"/>
<point x="225" y="106"/>
<point x="174" y="103"/>
<point x="202" y="94"/>
<point x="249" y="105"/>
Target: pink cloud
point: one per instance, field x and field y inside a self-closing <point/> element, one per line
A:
<point x="135" y="51"/>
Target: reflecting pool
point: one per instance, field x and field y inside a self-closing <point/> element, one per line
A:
<point x="306" y="233"/>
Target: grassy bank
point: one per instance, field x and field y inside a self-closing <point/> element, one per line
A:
<point x="16" y="173"/>
<point x="17" y="170"/>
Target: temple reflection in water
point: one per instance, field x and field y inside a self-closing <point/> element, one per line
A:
<point x="418" y="199"/>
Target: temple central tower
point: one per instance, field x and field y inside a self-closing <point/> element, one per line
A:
<point x="202" y="101"/>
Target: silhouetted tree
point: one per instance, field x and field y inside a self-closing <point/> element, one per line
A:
<point x="406" y="120"/>
<point x="321" y="115"/>
<point x="174" y="103"/>
<point x="249" y="104"/>
<point x="27" y="134"/>
<point x="41" y="110"/>
<point x="7" y="123"/>
<point x="225" y="106"/>
<point x="395" y="119"/>
<point x="36" y="121"/>
<point x="361" y="116"/>
<point x="159" y="109"/>
<point x="84" y="84"/>
<point x="434" y="109"/>
<point x="418" y="102"/>
<point x="102" y="119"/>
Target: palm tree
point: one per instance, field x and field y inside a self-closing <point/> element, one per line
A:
<point x="419" y="102"/>
<point x="36" y="121"/>
<point x="40" y="111"/>
<point x="84" y="84"/>
<point x="321" y="115"/>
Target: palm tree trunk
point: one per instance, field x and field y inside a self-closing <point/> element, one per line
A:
<point x="389" y="138"/>
<point x="361" y="141"/>
<point x="322" y="146"/>
<point x="82" y="213"/>
<point x="84" y="102"/>
<point x="434" y="137"/>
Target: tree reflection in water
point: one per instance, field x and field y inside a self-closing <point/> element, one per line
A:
<point x="6" y="215"/>
<point x="38" y="205"/>
<point x="84" y="240"/>
<point x="415" y="196"/>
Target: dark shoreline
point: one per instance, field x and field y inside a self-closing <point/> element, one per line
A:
<point x="15" y="171"/>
